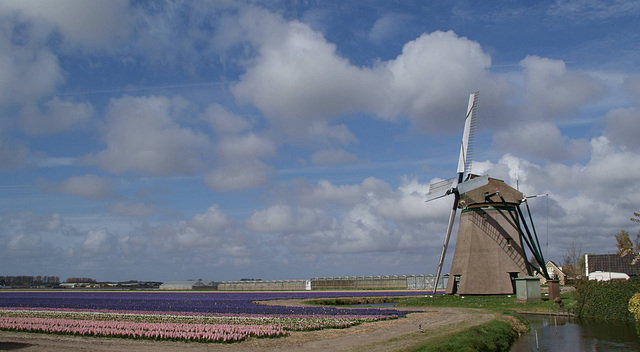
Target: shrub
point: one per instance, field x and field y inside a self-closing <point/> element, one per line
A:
<point x="607" y="300"/>
<point x="634" y="308"/>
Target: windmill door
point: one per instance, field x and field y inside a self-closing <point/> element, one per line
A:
<point x="456" y="284"/>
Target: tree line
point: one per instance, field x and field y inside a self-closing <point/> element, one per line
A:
<point x="24" y="280"/>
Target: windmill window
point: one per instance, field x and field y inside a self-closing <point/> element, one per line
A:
<point x="509" y="242"/>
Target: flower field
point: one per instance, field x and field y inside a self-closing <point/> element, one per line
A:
<point x="178" y="316"/>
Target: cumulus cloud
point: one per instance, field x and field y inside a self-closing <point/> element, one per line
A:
<point x="213" y="221"/>
<point x="240" y="175"/>
<point x="27" y="241"/>
<point x="284" y="219"/>
<point x="332" y="157"/>
<point x="143" y="136"/>
<point x="385" y="26"/>
<point x="212" y="231"/>
<point x="343" y="195"/>
<point x="408" y="202"/>
<point x="98" y="242"/>
<point x="593" y="10"/>
<point x="14" y="155"/>
<point x="541" y="141"/>
<point x="250" y="146"/>
<point x="60" y="115"/>
<point x="322" y="134"/>
<point x="89" y="24"/>
<point x="552" y="88"/>
<point x="623" y="127"/>
<point x="85" y="186"/>
<point x="137" y="210"/>
<point x="298" y="79"/>
<point x="632" y="85"/>
<point x="373" y="218"/>
<point x="29" y="71"/>
<point x="433" y="74"/>
<point x="224" y="122"/>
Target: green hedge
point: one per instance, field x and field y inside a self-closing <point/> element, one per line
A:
<point x="606" y="299"/>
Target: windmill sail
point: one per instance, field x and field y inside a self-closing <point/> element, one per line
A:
<point x="443" y="188"/>
<point x="473" y="183"/>
<point x="466" y="148"/>
<point x="440" y="189"/>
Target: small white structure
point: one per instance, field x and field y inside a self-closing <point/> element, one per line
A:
<point x="607" y="275"/>
<point x="185" y="285"/>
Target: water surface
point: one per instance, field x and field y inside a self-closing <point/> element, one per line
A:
<point x="572" y="334"/>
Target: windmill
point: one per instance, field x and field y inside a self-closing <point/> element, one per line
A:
<point x="457" y="185"/>
<point x="490" y="250"/>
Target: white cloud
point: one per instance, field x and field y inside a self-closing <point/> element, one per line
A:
<point x="332" y="157"/>
<point x="13" y="155"/>
<point x="137" y="210"/>
<point x="98" y="242"/>
<point x="90" y="24"/>
<point x="298" y="78"/>
<point x="86" y="186"/>
<point x="436" y="72"/>
<point x="609" y="166"/>
<point x="587" y="10"/>
<point x="212" y="232"/>
<point x="552" y="88"/>
<point x="212" y="221"/>
<point x="322" y="134"/>
<point x="142" y="136"/>
<point x="385" y="27"/>
<point x="632" y="85"/>
<point x="344" y="195"/>
<point x="542" y="141"/>
<point x="240" y="175"/>
<point x="623" y="127"/>
<point x="408" y="203"/>
<point x="28" y="72"/>
<point x="250" y="146"/>
<point x="283" y="219"/>
<point x="59" y="116"/>
<point x="223" y="121"/>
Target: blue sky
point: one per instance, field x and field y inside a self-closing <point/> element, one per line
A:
<point x="281" y="139"/>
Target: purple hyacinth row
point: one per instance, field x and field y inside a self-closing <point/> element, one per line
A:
<point x="191" y="302"/>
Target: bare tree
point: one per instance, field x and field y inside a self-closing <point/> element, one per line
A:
<point x="573" y="261"/>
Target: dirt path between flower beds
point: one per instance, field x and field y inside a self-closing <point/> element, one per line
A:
<point x="387" y="335"/>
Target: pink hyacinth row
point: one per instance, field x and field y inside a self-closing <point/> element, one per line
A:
<point x="285" y="322"/>
<point x="128" y="329"/>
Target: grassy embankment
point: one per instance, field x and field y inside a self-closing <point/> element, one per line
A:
<point x="498" y="334"/>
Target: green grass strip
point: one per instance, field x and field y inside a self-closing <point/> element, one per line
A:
<point x="494" y="336"/>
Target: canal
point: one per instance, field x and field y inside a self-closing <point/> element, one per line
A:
<point x="560" y="333"/>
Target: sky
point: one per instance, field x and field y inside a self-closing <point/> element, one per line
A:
<point x="174" y="140"/>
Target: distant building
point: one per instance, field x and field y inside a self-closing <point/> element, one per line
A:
<point x="555" y="272"/>
<point x="610" y="263"/>
<point x="187" y="285"/>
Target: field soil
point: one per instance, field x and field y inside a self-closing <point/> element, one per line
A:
<point x="388" y="335"/>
